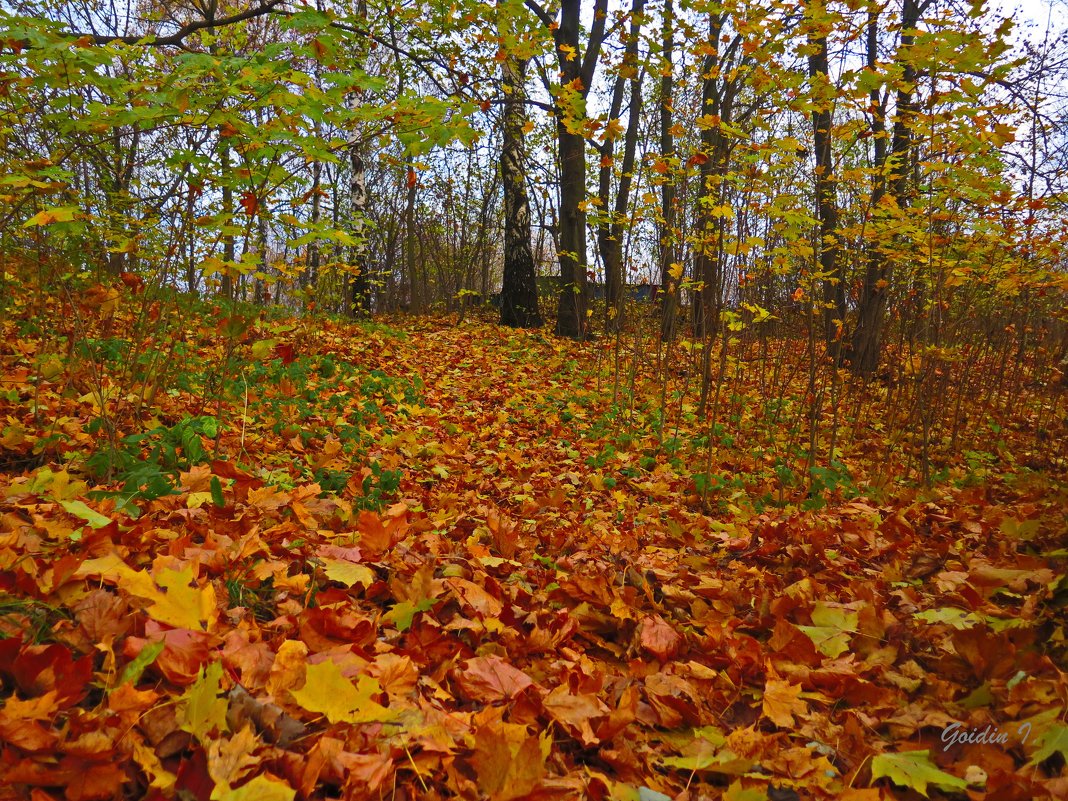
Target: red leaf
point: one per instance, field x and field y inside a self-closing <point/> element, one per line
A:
<point x="284" y="351"/>
<point x="250" y="203"/>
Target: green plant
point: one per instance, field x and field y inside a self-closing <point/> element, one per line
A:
<point x="826" y="480"/>
<point x="379" y="487"/>
<point x="153" y="475"/>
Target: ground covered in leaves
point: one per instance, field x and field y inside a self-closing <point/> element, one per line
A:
<point x="245" y="558"/>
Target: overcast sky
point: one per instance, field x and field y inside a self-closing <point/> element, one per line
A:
<point x="1034" y="13"/>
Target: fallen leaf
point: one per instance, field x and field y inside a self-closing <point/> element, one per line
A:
<point x="489" y="678"/>
<point x="329" y="693"/>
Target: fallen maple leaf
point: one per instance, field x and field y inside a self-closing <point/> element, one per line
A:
<point x="270" y="720"/>
<point x="328" y="692"/>
<point x="174" y="601"/>
<point x="489" y="678"/>
<point x="262" y="788"/>
<point x="202" y="709"/>
<point x="508" y="761"/>
<point x="232" y="759"/>
<point x="575" y="713"/>
<point x="781" y="702"/>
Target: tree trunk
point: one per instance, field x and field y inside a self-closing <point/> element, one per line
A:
<point x="571" y="310"/>
<point x="359" y="284"/>
<point x="669" y="283"/>
<point x="831" y="269"/>
<point x="576" y="77"/>
<point x="416" y="296"/>
<point x="229" y="251"/>
<point x="867" y="337"/>
<point x="519" y="295"/>
<point x="610" y="229"/>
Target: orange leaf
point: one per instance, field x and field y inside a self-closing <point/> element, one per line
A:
<point x="659" y="639"/>
<point x="489" y="678"/>
<point x="782" y="701"/>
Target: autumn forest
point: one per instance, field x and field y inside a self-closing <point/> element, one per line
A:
<point x="645" y="400"/>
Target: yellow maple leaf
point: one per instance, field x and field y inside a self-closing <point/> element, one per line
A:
<point x="182" y="605"/>
<point x="328" y="692"/>
<point x="174" y="601"/>
<point x="348" y="573"/>
<point x="262" y="788"/>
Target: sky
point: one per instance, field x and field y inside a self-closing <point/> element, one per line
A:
<point x="1035" y="12"/>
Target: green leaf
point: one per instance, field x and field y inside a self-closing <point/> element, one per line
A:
<point x="90" y="516"/>
<point x="1054" y="741"/>
<point x="403" y="613"/>
<point x="914" y="769"/>
<point x="201" y="710"/>
<point x="725" y="763"/>
<point x="738" y="793"/>
<point x="217" y="493"/>
<point x="832" y="630"/>
<point x="957" y="618"/>
<point x="262" y="348"/>
<point x="60" y="214"/>
<point x="133" y="671"/>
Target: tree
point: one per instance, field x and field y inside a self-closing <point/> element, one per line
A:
<point x="519" y="294"/>
<point x="832" y="270"/>
<point x="576" y="71"/>
<point x="614" y="211"/>
<point x="892" y="171"/>
<point x="671" y="268"/>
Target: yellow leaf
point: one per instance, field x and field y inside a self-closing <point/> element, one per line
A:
<point x="348" y="573"/>
<point x="327" y="691"/>
<point x="174" y="602"/>
<point x="782" y="701"/>
<point x="528" y="126"/>
<point x="262" y="788"/>
<point x="231" y="760"/>
<point x="49" y="216"/>
<point x="183" y="606"/>
<point x="158" y="777"/>
<point x="675" y="270"/>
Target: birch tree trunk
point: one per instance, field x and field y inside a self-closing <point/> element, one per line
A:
<point x="519" y="295"/>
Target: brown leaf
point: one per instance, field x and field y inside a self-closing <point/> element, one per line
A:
<point x="378" y="534"/>
<point x="270" y="720"/>
<point x="509" y="763"/>
<point x="231" y="759"/>
<point x="489" y="678"/>
<point x="575" y="713"/>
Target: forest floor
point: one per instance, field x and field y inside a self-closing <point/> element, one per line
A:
<point x="267" y="558"/>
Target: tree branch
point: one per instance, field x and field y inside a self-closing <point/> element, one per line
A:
<point x="177" y="39"/>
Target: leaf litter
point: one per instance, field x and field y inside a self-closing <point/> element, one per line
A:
<point x="365" y="587"/>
